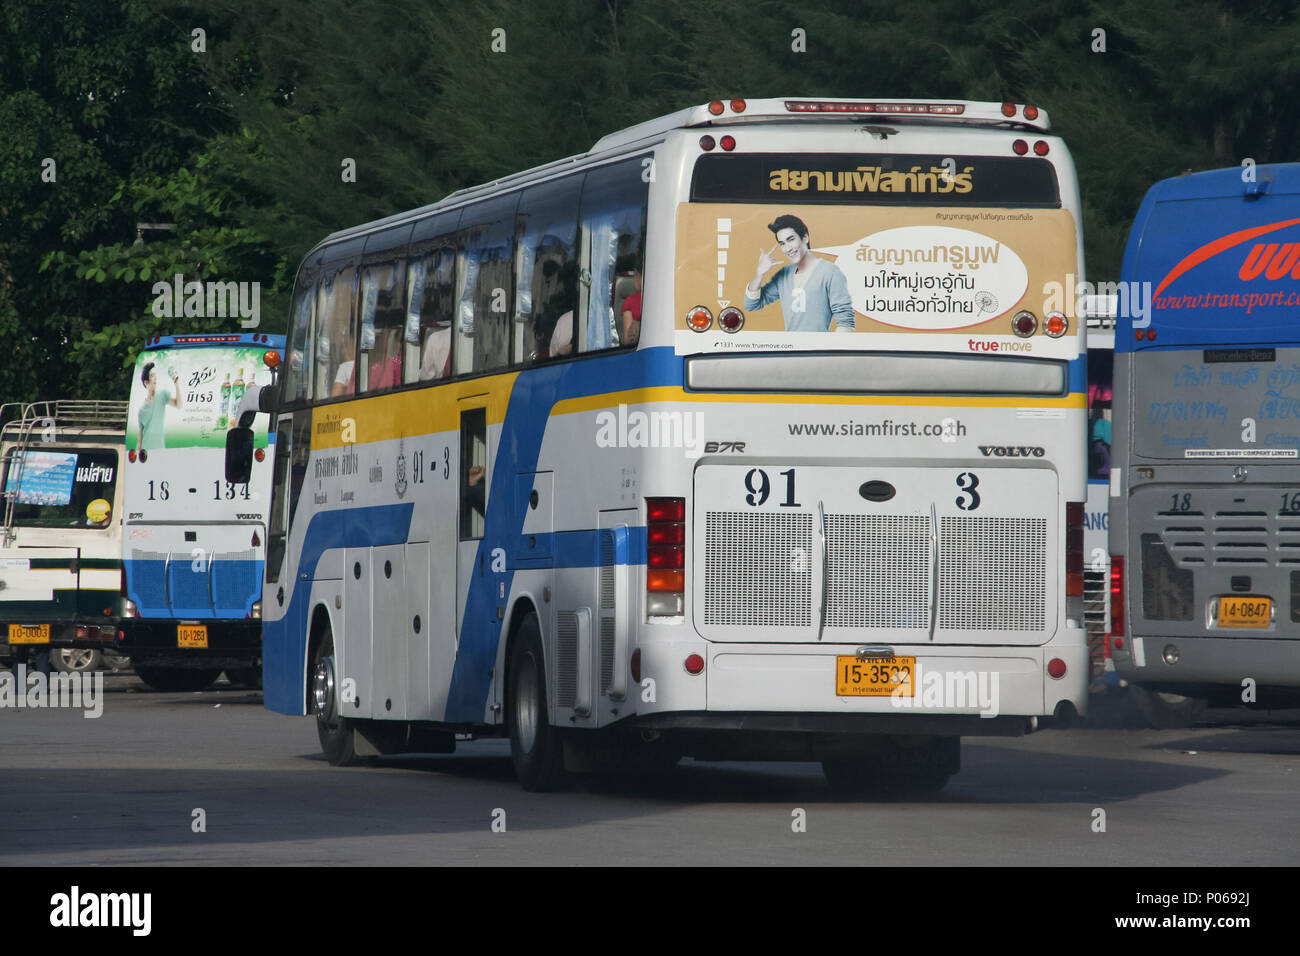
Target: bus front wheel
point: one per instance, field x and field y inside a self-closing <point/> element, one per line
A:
<point x="335" y="731"/>
<point x="535" y="745"/>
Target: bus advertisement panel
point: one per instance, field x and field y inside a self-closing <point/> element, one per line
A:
<point x="1206" y="520"/>
<point x="194" y="544"/>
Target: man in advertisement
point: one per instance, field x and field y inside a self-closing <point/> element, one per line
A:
<point x="153" y="410"/>
<point x="813" y="291"/>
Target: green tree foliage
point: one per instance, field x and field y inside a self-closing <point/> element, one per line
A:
<point x="249" y="146"/>
<point x="105" y="113"/>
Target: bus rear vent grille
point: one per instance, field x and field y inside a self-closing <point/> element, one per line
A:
<point x="758" y="569"/>
<point x="878" y="572"/>
<point x="993" y="574"/>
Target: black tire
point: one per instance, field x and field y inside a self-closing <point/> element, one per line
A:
<point x="250" y="677"/>
<point x="535" y="745"/>
<point x="177" y="679"/>
<point x="906" y="766"/>
<point x="76" y="660"/>
<point x="336" y="732"/>
<point x="1162" y="711"/>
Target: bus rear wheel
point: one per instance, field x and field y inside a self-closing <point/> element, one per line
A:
<point x="176" y="679"/>
<point x="535" y="745"/>
<point x="336" y="733"/>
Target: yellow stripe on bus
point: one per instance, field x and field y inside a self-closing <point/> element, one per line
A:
<point x="426" y="411"/>
<point x="421" y="411"/>
<point x="671" y="393"/>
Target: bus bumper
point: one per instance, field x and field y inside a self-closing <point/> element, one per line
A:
<point x="231" y="644"/>
<point x="1195" y="665"/>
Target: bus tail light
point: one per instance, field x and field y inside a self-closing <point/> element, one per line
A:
<point x="1116" y="600"/>
<point x="1019" y="147"/>
<point x="731" y="319"/>
<point x="727" y="142"/>
<point x="1024" y="324"/>
<point x="737" y="105"/>
<point x="694" y="664"/>
<point x="1040" y="147"/>
<point x="1056" y="325"/>
<point x="1074" y="514"/>
<point x="1056" y="668"/>
<point x="665" y="576"/>
<point x="707" y="142"/>
<point x="699" y="319"/>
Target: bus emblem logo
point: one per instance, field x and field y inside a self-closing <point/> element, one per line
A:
<point x="400" y="484"/>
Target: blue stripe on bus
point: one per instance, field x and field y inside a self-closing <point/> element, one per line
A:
<point x="284" y="642"/>
<point x="535" y="392"/>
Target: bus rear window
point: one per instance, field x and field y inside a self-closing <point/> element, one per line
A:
<point x="876" y="179"/>
<point x="62" y="489"/>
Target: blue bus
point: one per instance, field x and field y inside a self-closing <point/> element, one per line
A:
<point x="1205" y="478"/>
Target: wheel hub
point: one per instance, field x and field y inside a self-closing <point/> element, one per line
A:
<point x="322" y="689"/>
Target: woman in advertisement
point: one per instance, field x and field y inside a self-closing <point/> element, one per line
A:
<point x="813" y="292"/>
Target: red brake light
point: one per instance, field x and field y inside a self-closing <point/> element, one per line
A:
<point x="1020" y="147"/>
<point x="731" y="319"/>
<point x="694" y="664"/>
<point x="1024" y="324"/>
<point x="728" y="142"/>
<point x="707" y="142"/>
<point x="1117" y="598"/>
<point x="1031" y="112"/>
<point x="666" y="556"/>
<point x="1056" y="668"/>
<point x="1040" y="147"/>
<point x="665" y="509"/>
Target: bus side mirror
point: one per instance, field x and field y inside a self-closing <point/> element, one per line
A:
<point x="239" y="455"/>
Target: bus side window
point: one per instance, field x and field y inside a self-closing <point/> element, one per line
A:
<point x="547" y="270"/>
<point x="336" y="347"/>
<point x="483" y="315"/>
<point x="431" y="309"/>
<point x="473" y="472"/>
<point x="297" y="376"/>
<point x="614" y="204"/>
<point x="381" y="325"/>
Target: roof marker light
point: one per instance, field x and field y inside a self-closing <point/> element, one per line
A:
<point x="1008" y="109"/>
<point x="1031" y="112"/>
<point x="716" y="107"/>
<point x="737" y="106"/>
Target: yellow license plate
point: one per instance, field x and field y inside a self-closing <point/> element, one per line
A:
<point x="875" y="677"/>
<point x="191" y="635"/>
<point x="1245" y="611"/>
<point x="29" y="634"/>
